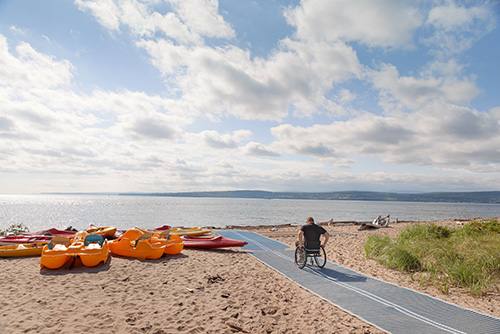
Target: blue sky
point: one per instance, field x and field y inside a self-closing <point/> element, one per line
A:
<point x="193" y="95"/>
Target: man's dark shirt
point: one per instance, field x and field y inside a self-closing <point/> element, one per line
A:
<point x="312" y="233"/>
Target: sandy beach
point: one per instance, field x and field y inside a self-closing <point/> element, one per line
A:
<point x="197" y="291"/>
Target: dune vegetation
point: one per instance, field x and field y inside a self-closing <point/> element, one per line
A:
<point x="14" y="229"/>
<point x="465" y="257"/>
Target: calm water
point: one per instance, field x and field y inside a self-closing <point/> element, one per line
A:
<point x="40" y="212"/>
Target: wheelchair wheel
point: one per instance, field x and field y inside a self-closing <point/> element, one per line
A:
<point x="321" y="258"/>
<point x="300" y="257"/>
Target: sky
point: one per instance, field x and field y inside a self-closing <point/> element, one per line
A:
<point x="198" y="95"/>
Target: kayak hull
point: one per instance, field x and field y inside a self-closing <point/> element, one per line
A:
<point x="195" y="231"/>
<point x="108" y="231"/>
<point x="215" y="242"/>
<point x="50" y="232"/>
<point x="23" y="239"/>
<point x="21" y="250"/>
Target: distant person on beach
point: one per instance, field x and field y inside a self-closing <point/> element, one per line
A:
<point x="310" y="232"/>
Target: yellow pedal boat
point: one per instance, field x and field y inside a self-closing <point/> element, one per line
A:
<point x="92" y="249"/>
<point x="22" y="250"/>
<point x="138" y="244"/>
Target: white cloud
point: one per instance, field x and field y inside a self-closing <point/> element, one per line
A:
<point x="152" y="128"/>
<point x="47" y="128"/>
<point x="440" y="135"/>
<point x="416" y="92"/>
<point x="259" y="150"/>
<point x="105" y="11"/>
<point x="17" y="30"/>
<point x="192" y="21"/>
<point x="31" y="68"/>
<point x="216" y="140"/>
<point x="227" y="79"/>
<point x="105" y="137"/>
<point x="385" y="23"/>
<point x="451" y="16"/>
<point x="495" y="112"/>
<point x="203" y="18"/>
<point x="456" y="28"/>
<point x="5" y="124"/>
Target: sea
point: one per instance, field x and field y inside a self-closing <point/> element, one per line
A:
<point x="39" y="212"/>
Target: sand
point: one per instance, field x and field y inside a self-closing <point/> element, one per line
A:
<point x="197" y="291"/>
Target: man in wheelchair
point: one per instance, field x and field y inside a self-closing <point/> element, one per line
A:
<point x="310" y="234"/>
<point x="309" y="244"/>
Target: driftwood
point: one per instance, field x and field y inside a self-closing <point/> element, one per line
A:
<point x="325" y="223"/>
<point x="377" y="223"/>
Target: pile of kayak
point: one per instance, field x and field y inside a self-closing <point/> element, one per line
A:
<point x="93" y="245"/>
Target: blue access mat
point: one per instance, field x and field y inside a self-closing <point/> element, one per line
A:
<point x="385" y="305"/>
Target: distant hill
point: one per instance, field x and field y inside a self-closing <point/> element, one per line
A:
<point x="446" y="197"/>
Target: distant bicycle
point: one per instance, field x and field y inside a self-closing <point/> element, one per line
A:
<point x="311" y="250"/>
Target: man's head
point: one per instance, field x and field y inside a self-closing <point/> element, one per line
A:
<point x="310" y="220"/>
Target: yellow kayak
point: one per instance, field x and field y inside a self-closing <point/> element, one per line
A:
<point x="190" y="231"/>
<point x="108" y="230"/>
<point x="22" y="250"/>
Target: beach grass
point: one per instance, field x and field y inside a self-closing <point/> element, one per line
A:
<point x="14" y="229"/>
<point x="467" y="257"/>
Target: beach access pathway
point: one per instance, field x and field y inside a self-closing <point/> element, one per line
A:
<point x="385" y="305"/>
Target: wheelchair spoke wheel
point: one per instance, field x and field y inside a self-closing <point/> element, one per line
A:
<point x="300" y="257"/>
<point x="321" y="258"/>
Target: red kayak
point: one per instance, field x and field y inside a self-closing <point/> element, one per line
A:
<point x="162" y="228"/>
<point x="213" y="242"/>
<point x="24" y="239"/>
<point x="50" y="232"/>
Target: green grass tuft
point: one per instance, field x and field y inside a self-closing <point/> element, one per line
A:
<point x="467" y="257"/>
<point x="14" y="229"/>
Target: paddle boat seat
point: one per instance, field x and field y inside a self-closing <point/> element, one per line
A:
<point x="165" y="234"/>
<point x="65" y="241"/>
<point x="144" y="236"/>
<point x="93" y="238"/>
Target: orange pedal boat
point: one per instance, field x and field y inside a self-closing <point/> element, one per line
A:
<point x="174" y="243"/>
<point x="138" y="244"/>
<point x="92" y="249"/>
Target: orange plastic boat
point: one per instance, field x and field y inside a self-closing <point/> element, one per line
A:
<point x="138" y="244"/>
<point x="174" y="243"/>
<point x="92" y="249"/>
<point x="55" y="253"/>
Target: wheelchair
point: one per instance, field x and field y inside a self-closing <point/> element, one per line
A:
<point x="311" y="250"/>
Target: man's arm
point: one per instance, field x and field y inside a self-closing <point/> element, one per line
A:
<point x="327" y="236"/>
<point x="301" y="238"/>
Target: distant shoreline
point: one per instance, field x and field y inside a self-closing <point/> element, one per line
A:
<point x="484" y="197"/>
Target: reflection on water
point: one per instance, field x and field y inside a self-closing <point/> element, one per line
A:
<point x="39" y="212"/>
